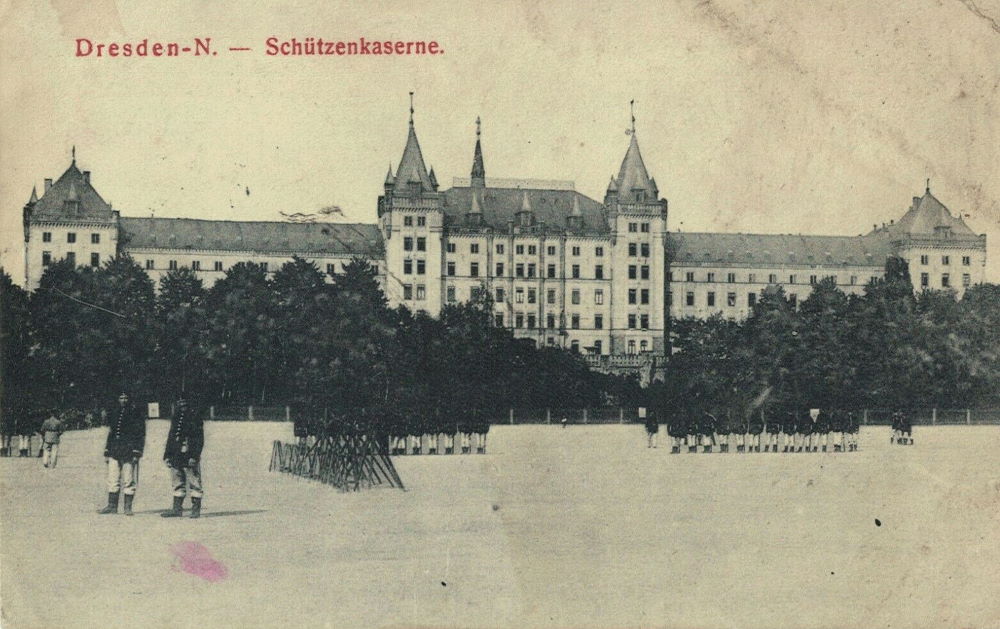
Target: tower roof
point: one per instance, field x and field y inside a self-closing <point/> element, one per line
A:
<point x="926" y="216"/>
<point x="478" y="169"/>
<point x="632" y="175"/>
<point x="411" y="165"/>
<point x="72" y="186"/>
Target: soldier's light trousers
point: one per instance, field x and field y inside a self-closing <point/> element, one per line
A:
<point x="123" y="476"/>
<point x="186" y="479"/>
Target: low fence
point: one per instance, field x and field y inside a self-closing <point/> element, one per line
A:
<point x="934" y="416"/>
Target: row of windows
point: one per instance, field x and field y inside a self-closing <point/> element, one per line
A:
<point x="421" y="221"/>
<point x="638" y="227"/>
<point x="95" y="239"/>
<point x="772" y="278"/>
<point x="946" y="260"/>
<point x="530" y="321"/>
<point x="172" y="265"/>
<point x="529" y="270"/>
<point x="689" y="299"/>
<point x="925" y="280"/>
<point x="95" y="258"/>
<point x="532" y="250"/>
<point x="550" y="296"/>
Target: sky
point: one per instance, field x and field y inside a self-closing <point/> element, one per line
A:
<point x="773" y="117"/>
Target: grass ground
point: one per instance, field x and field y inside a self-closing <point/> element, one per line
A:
<point x="582" y="526"/>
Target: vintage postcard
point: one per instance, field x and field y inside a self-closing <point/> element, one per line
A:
<point x="500" y="314"/>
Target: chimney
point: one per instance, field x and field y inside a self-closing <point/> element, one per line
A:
<point x="86" y="176"/>
<point x="48" y="184"/>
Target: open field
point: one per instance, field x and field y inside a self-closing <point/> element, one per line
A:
<point x="582" y="526"/>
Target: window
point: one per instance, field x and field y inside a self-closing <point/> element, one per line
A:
<point x="499" y="269"/>
<point x="519" y="249"/>
<point x="408" y="221"/>
<point x="575" y="322"/>
<point x="576" y="251"/>
<point x="532" y="250"/>
<point x="644" y="272"/>
<point x="632" y="249"/>
<point x="551" y="270"/>
<point x="966" y="280"/>
<point x="532" y="296"/>
<point x="407" y="266"/>
<point x="474" y="247"/>
<point x="793" y="300"/>
<point x="689" y="298"/>
<point x="791" y="279"/>
<point x="519" y="269"/>
<point x="71" y="237"/>
<point x="644" y="227"/>
<point x="689" y="276"/>
<point x="47" y="258"/>
<point x="451" y="268"/>
<point x="631" y="346"/>
<point x="945" y="280"/>
<point x="195" y="264"/>
<point x="710" y="277"/>
<point x="812" y="279"/>
<point x="752" y="278"/>
<point x="924" y="259"/>
<point x="945" y="260"/>
<point x="633" y="227"/>
<point x="421" y="221"/>
<point x="550" y="321"/>
<point x="751" y="299"/>
<point x="421" y="266"/>
<point x="531" y="322"/>
<point x="407" y="243"/>
<point x="550" y="296"/>
<point x="474" y="269"/>
<point x="407" y="291"/>
<point x="599" y="252"/>
<point x="598" y="323"/>
<point x="711" y="299"/>
<point x="218" y="266"/>
<point x="731" y="277"/>
<point x="421" y="292"/>
<point x="263" y="266"/>
<point x="631" y="321"/>
<point x="966" y="261"/>
<point x="531" y="270"/>
<point x="450" y="247"/>
<point x="575" y="297"/>
<point x="421" y="244"/>
<point x="574" y="347"/>
<point x="854" y="280"/>
<point x="731" y="300"/>
<point x="644" y="249"/>
<point x="500" y="248"/>
<point x="46" y="236"/>
<point x="172" y="265"/>
<point x="632" y="271"/>
<point x="519" y="320"/>
<point x="576" y="271"/>
<point x="330" y="269"/>
<point x="632" y="295"/>
<point x="149" y="265"/>
<point x="500" y="295"/>
<point x="644" y="296"/>
<point x="498" y="319"/>
<point x="451" y="294"/>
<point x="599" y="297"/>
<point x="644" y="321"/>
<point x="552" y="250"/>
<point x="519" y="295"/>
<point x="95" y="239"/>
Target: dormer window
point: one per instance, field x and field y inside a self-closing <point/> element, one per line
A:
<point x="640" y="195"/>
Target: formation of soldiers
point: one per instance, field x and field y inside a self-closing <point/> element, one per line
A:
<point x="810" y="430"/>
<point x="408" y="435"/>
<point x="902" y="429"/>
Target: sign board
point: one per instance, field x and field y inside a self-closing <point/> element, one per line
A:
<point x="154" y="410"/>
<point x="814" y="413"/>
<point x="642" y="412"/>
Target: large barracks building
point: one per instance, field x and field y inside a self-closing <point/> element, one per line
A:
<point x="600" y="276"/>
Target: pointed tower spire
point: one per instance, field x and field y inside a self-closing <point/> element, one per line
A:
<point x="411" y="109"/>
<point x="434" y="181"/>
<point x="73" y="154"/>
<point x="389" y="179"/>
<point x="412" y="172"/>
<point x="34" y="195"/>
<point x="928" y="189"/>
<point x="478" y="169"/>
<point x="631" y="106"/>
<point x="633" y="179"/>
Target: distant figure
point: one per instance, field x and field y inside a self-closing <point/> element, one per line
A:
<point x="122" y="451"/>
<point x="905" y="428"/>
<point x="563" y="421"/>
<point x="182" y="455"/>
<point x="652" y="427"/>
<point x="7" y="424"/>
<point x="52" y="429"/>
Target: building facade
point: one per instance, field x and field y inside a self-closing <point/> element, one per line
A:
<point x="601" y="277"/>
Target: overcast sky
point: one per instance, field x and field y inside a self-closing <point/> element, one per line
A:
<point x="825" y="117"/>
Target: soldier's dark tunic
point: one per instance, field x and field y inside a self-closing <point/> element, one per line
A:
<point x="185" y="441"/>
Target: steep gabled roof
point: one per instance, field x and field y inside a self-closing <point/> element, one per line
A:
<point x="500" y="205"/>
<point x="926" y="216"/>
<point x="362" y="239"/>
<point x="72" y="186"/>
<point x="632" y="175"/>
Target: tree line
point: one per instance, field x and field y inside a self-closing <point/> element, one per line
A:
<point x="297" y="337"/>
<point x="888" y="348"/>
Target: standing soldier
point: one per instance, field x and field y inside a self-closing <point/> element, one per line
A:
<point x="300" y="428"/>
<point x="805" y="428"/>
<point x="896" y="432"/>
<point x="652" y="427"/>
<point x="182" y="454"/>
<point x="852" y="431"/>
<point x="822" y="429"/>
<point x="755" y="426"/>
<point x="837" y="430"/>
<point x="122" y="451"/>
<point x="51" y="430"/>
<point x="773" y="429"/>
<point x="706" y="429"/>
<point x="722" y="430"/>
<point x="691" y="428"/>
<point x="675" y="431"/>
<point x="905" y="428"/>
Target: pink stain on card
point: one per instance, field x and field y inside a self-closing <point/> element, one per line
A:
<point x="195" y="559"/>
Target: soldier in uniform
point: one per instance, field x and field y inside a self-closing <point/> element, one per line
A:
<point x="722" y="430"/>
<point x="905" y="428"/>
<point x="896" y="432"/>
<point x="182" y="455"/>
<point x="837" y="430"/>
<point x="122" y="451"/>
<point x="805" y="428"/>
<point x="773" y="428"/>
<point x="300" y="428"/>
<point x="675" y="430"/>
<point x="691" y="428"/>
<point x="706" y="431"/>
<point x="52" y="428"/>
<point x="755" y="427"/>
<point x="822" y="429"/>
<point x="652" y="427"/>
<point x="482" y="429"/>
<point x="853" y="427"/>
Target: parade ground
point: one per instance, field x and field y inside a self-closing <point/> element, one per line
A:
<point x="553" y="527"/>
